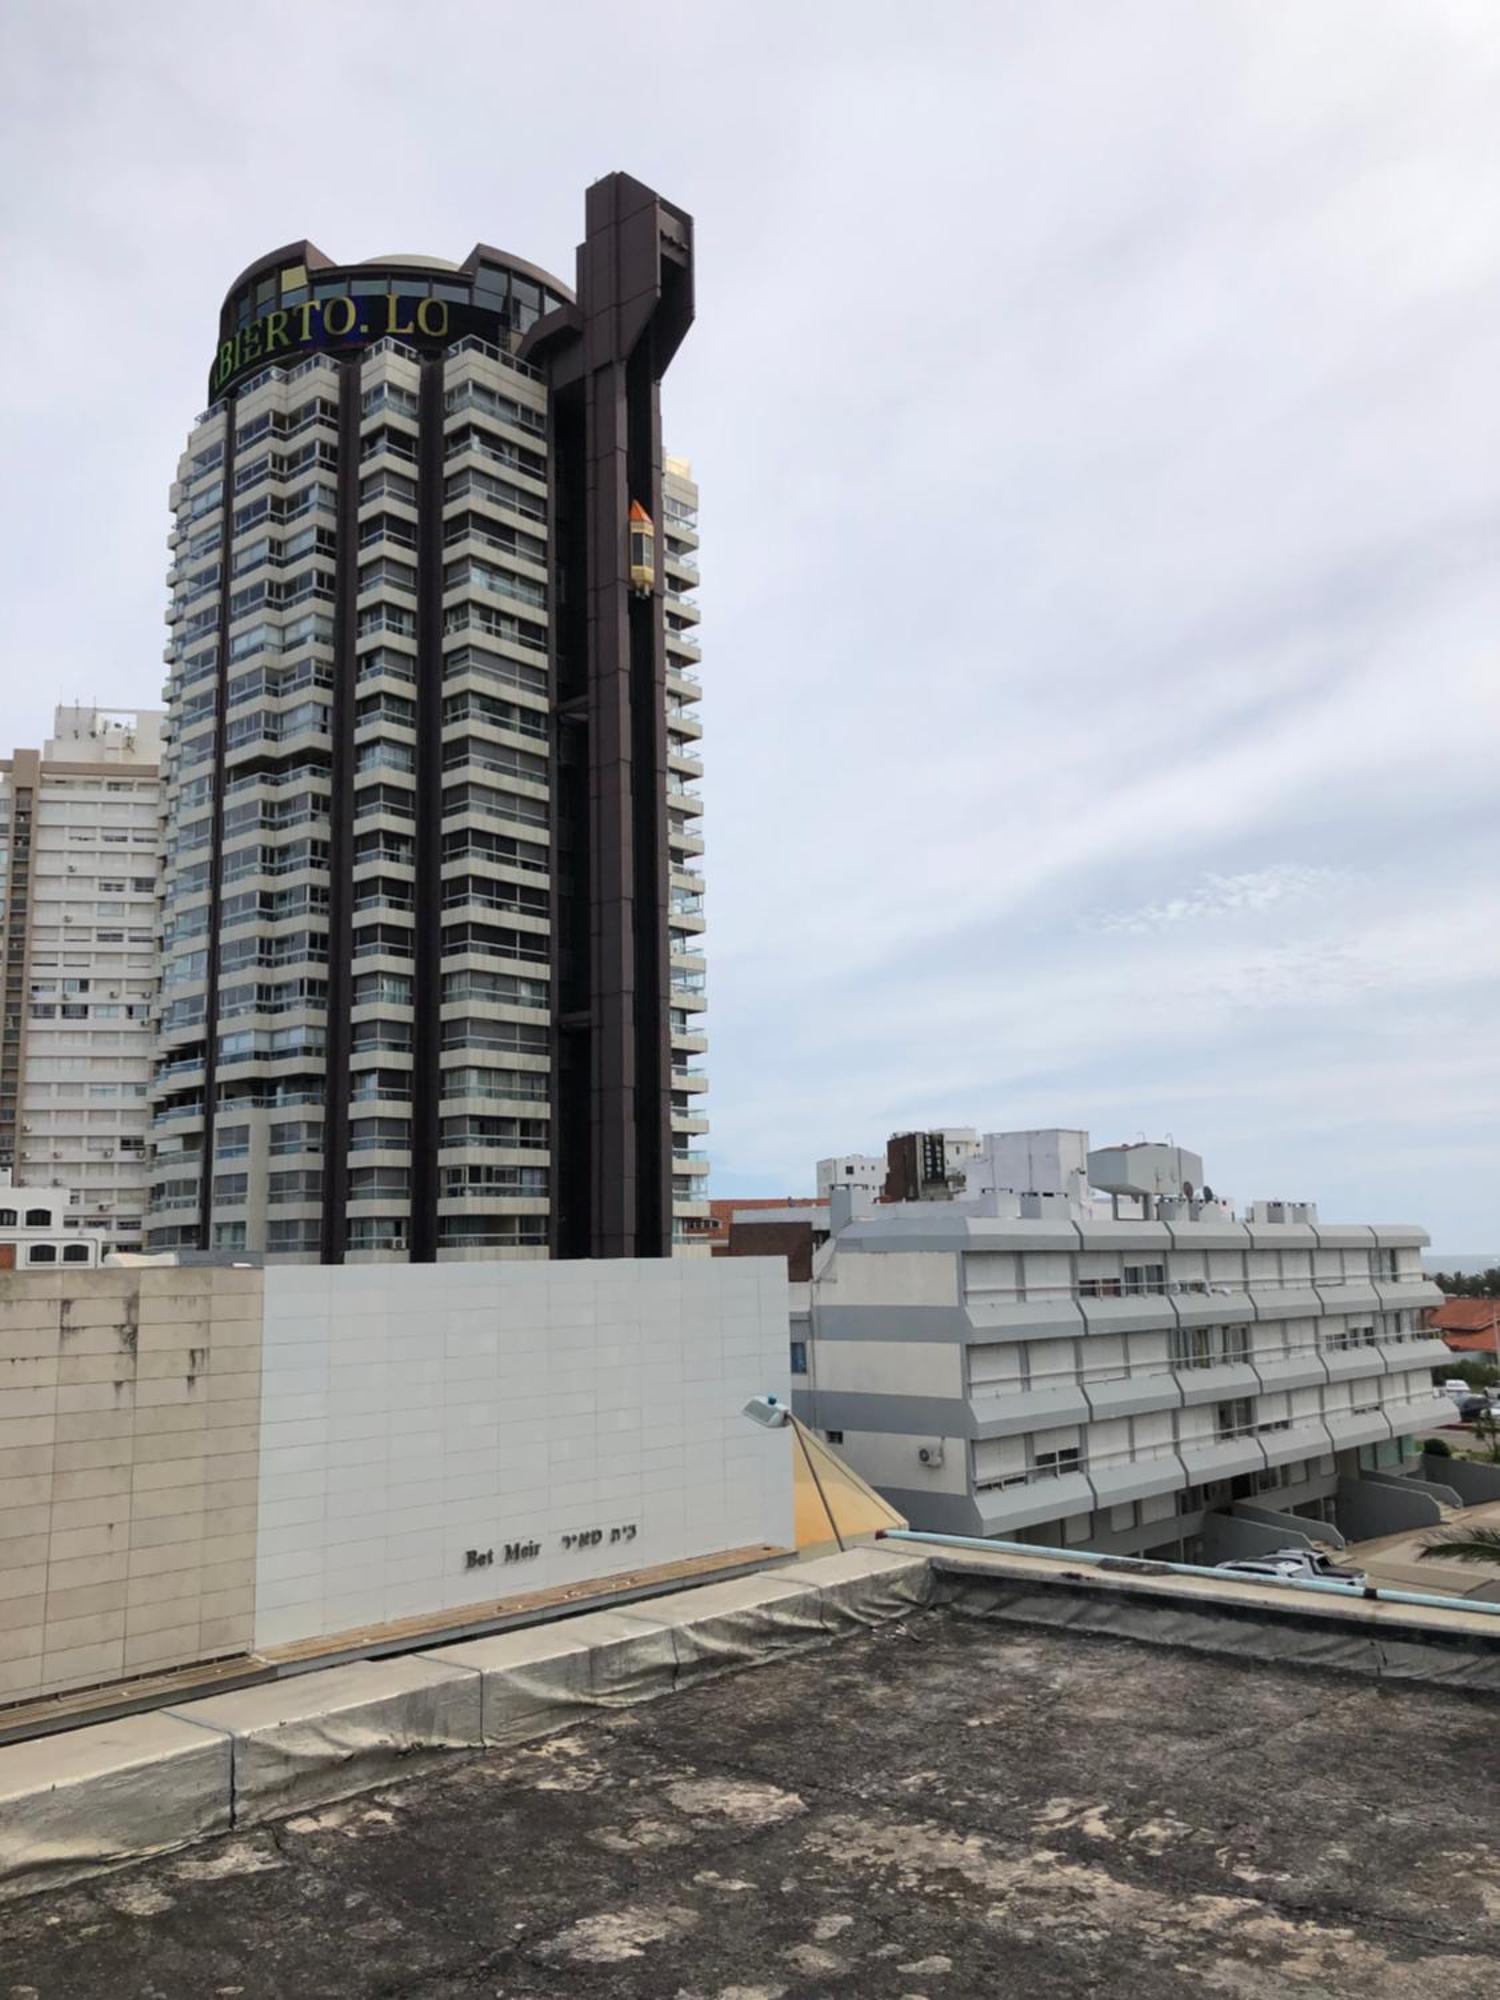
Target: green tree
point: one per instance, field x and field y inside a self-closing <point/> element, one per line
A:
<point x="1469" y="1284"/>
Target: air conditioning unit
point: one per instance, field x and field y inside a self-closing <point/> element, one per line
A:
<point x="930" y="1454"/>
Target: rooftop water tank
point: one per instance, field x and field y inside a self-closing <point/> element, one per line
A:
<point x="1150" y="1168"/>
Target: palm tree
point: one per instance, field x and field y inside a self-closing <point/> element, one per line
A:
<point x="1464" y="1545"/>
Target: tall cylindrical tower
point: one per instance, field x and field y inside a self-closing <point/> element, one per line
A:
<point x="431" y="903"/>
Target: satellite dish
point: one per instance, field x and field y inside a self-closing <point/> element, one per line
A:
<point x="1187" y="1189"/>
<point x="1208" y="1194"/>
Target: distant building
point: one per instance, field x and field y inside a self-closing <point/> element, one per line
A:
<point x="78" y="878"/>
<point x="863" y="1171"/>
<point x="36" y="1230"/>
<point x="1141" y="1373"/>
<point x="928" y="1166"/>
<point x="715" y="1230"/>
<point x="772" y="1231"/>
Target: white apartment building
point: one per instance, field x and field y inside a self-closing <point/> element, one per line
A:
<point x="1179" y="1381"/>
<point x="863" y="1172"/>
<point x="37" y="1230"/>
<point x="78" y="876"/>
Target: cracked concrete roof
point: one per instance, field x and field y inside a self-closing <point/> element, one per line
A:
<point x="946" y="1808"/>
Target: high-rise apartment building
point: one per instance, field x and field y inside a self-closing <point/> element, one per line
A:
<point x="431" y="978"/>
<point x="78" y="878"/>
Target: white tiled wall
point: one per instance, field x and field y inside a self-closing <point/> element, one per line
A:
<point x="411" y="1413"/>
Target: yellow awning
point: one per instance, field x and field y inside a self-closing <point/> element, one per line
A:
<point x="834" y="1506"/>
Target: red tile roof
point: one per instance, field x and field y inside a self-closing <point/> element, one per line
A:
<point x="1467" y="1315"/>
<point x="1471" y="1343"/>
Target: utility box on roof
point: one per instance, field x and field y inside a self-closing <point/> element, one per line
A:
<point x="1146" y="1169"/>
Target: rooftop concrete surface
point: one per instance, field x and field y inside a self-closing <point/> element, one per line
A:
<point x="948" y="1806"/>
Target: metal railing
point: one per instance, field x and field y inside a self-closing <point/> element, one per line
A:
<point x="1087" y="1289"/>
<point x="1150" y="1566"/>
<point x="472" y="344"/>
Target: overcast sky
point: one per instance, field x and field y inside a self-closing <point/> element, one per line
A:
<point x="1096" y="408"/>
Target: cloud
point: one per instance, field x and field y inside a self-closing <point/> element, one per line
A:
<point x="1096" y="420"/>
<point x="1255" y="891"/>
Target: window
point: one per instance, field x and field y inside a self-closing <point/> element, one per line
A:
<point x="229" y="1235"/>
<point x="38" y="1218"/>
<point x="482" y="1180"/>
<point x="366" y="1134"/>
<point x="799" y="1356"/>
<point x="1208" y="1346"/>
<point x="833" y="1437"/>
<point x="1191" y="1346"/>
<point x="283" y="1238"/>
<point x="390" y="989"/>
<point x="231" y="1187"/>
<point x="395" y="1037"/>
<point x="1150" y="1278"/>
<point x="294" y="1184"/>
<point x="468" y="1232"/>
<point x="377" y="1232"/>
<point x="300" y="1136"/>
<point x="1066" y="1458"/>
<point x="7" y="1218"/>
<point x="42" y="1253"/>
<point x="75" y="1253"/>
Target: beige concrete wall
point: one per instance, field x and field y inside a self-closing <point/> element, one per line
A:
<point x="129" y="1442"/>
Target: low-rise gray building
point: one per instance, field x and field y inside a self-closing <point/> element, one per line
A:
<point x="1181" y="1382"/>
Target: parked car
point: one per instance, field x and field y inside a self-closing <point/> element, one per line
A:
<point x="1296" y="1563"/>
<point x="1473" y="1405"/>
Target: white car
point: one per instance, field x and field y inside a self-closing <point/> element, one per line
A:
<point x="1295" y="1563"/>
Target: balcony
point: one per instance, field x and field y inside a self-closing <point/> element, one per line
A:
<point x="1220" y="1381"/>
<point x="1009" y="1409"/>
<point x="1303" y="1437"/>
<point x="1350" y="1428"/>
<point x="1221" y="1454"/>
<point x="1118" y="1477"/>
<point x="1131" y="1392"/>
<point x="1042" y="1493"/>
